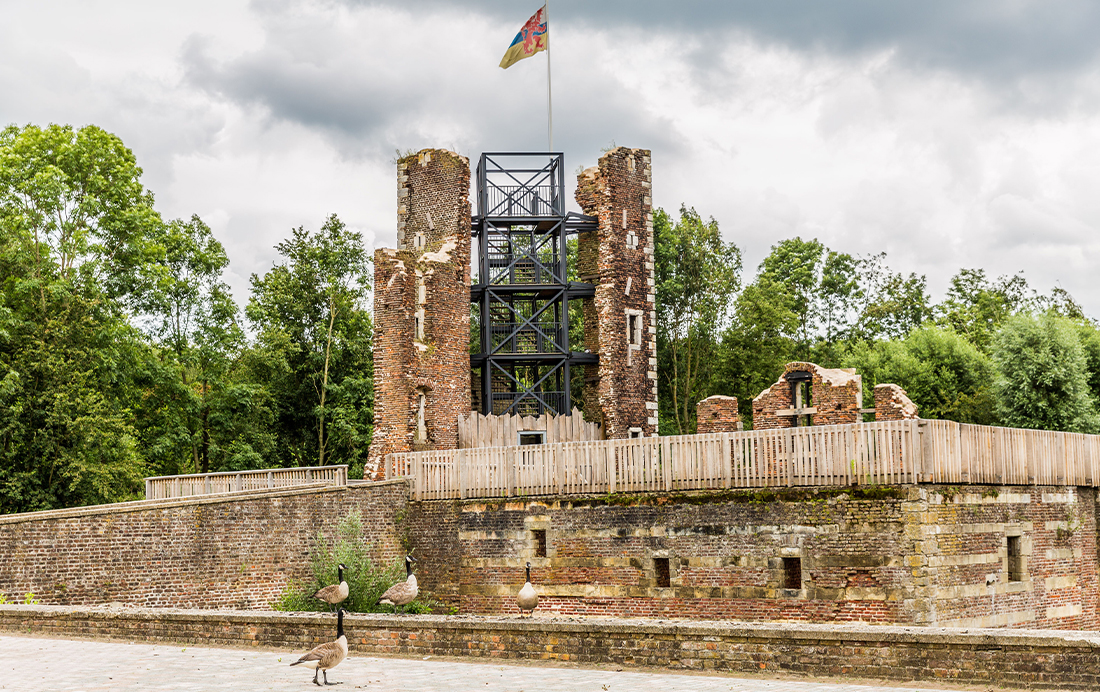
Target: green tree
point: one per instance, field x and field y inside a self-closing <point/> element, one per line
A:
<point x="314" y="331"/>
<point x="697" y="274"/>
<point x="73" y="220"/>
<point x="976" y="307"/>
<point x="1042" y="375"/>
<point x="893" y="304"/>
<point x="945" y="375"/>
<point x="205" y="409"/>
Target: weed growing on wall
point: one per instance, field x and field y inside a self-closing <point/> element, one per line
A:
<point x="366" y="581"/>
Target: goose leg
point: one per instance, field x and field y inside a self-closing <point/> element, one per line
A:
<point x="330" y="683"/>
<point x="315" y="680"/>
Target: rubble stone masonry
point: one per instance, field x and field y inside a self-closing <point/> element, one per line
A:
<point x="620" y="321"/>
<point x="837" y="395"/>
<point x="717" y="414"/>
<point x="422" y="311"/>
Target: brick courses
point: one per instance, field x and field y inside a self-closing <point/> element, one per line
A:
<point x="620" y="392"/>
<point x="236" y="550"/>
<point x="891" y="403"/>
<point x="837" y="394"/>
<point x="425" y="282"/>
<point x="717" y="414"/>
<point x="920" y="555"/>
<point x="1002" y="658"/>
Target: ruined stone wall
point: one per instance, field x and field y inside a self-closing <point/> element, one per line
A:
<point x="717" y="414"/>
<point x="910" y="655"/>
<point x="920" y="555"/>
<point x="234" y="550"/>
<point x="964" y="556"/>
<point x="422" y="311"/>
<point x="621" y="392"/>
<point x="891" y="403"/>
<point x="837" y="396"/>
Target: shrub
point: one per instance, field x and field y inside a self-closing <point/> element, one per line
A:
<point x="366" y="581"/>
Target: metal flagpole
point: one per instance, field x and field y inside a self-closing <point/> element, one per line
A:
<point x="549" y="100"/>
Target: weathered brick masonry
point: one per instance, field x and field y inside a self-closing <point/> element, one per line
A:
<point x="422" y="311"/>
<point x="978" y="556"/>
<point x="836" y="394"/>
<point x="989" y="657"/>
<point x="621" y="392"/>
<point x="891" y="403"/>
<point x="717" y="414"/>
<point x="926" y="555"/>
<point x="231" y="551"/>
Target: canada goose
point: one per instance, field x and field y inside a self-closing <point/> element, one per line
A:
<point x="528" y="598"/>
<point x="403" y="592"/>
<point x="329" y="655"/>
<point x="334" y="593"/>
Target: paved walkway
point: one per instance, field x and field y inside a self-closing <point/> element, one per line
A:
<point x="48" y="665"/>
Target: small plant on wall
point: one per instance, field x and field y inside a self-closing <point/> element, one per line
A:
<point x="366" y="581"/>
<point x="1072" y="525"/>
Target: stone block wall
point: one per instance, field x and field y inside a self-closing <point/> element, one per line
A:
<point x="717" y="414"/>
<point x="920" y="555"/>
<point x="891" y="403"/>
<point x="992" y="658"/>
<point x="964" y="555"/>
<point x="422" y="311"/>
<point x="837" y="394"/>
<point x="620" y="392"/>
<point x="237" y="550"/>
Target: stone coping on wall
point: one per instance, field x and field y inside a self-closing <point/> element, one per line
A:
<point x="1012" y="658"/>
<point x="213" y="499"/>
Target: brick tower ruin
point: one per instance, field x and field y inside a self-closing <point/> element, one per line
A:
<point x="620" y="319"/>
<point x="431" y="369"/>
<point x="422" y="310"/>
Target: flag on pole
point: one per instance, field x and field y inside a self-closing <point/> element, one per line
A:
<point x="531" y="39"/>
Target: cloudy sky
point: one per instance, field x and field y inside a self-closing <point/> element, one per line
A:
<point x="948" y="134"/>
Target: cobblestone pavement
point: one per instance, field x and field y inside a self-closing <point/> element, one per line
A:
<point x="48" y="665"/>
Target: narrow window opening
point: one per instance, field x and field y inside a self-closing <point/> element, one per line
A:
<point x="661" y="572"/>
<point x="1015" y="560"/>
<point x="421" y="423"/>
<point x="532" y="437"/>
<point x="636" y="433"/>
<point x="634" y="329"/>
<point x="540" y="542"/>
<point x="792" y="573"/>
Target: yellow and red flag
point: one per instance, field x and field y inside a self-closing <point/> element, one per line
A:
<point x="532" y="38"/>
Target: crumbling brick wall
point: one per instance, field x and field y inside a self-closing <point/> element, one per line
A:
<point x="891" y="403"/>
<point x="620" y="392"/>
<point x="837" y="396"/>
<point x="422" y="311"/>
<point x="717" y="414"/>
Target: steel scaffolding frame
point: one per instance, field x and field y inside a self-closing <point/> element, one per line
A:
<point x="522" y="290"/>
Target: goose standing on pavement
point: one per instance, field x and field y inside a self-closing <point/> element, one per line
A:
<point x="328" y="655"/>
<point x="403" y="592"/>
<point x="334" y="594"/>
<point x="528" y="598"/>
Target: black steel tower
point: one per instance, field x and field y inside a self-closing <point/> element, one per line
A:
<point x="521" y="356"/>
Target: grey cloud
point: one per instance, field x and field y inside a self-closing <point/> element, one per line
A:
<point x="370" y="100"/>
<point x="992" y="39"/>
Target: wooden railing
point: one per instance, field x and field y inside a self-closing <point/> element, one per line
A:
<point x="880" y="453"/>
<point x="163" y="487"/>
<point x="477" y="430"/>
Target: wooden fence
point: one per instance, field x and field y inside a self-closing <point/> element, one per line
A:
<point x="477" y="430"/>
<point x="163" y="487"/>
<point x="880" y="453"/>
